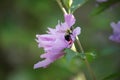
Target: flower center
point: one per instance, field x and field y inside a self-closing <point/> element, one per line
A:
<point x="68" y="36"/>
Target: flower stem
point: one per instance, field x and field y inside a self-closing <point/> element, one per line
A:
<point x="61" y="6"/>
<point x="86" y="61"/>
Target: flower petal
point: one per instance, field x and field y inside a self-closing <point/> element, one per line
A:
<point x="61" y="28"/>
<point x="115" y="37"/>
<point x="46" y="37"/>
<point x="116" y="32"/>
<point x="116" y="27"/>
<point x="50" y="57"/>
<point x="51" y="31"/>
<point x="45" y="40"/>
<point x="53" y="56"/>
<point x="69" y="19"/>
<point x="43" y="63"/>
<point x="76" y="31"/>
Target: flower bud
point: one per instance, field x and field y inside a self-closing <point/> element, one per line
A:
<point x="70" y="3"/>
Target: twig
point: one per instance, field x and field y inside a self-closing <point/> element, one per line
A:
<point x="61" y="6"/>
<point x="86" y="61"/>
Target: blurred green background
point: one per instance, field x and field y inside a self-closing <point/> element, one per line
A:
<point x="21" y="20"/>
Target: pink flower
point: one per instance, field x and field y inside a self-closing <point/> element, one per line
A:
<point x="56" y="41"/>
<point x="116" y="32"/>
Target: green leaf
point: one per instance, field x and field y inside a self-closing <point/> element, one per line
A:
<point x="76" y="4"/>
<point x="90" y="55"/>
<point x="103" y="6"/>
<point x="69" y="54"/>
<point x="82" y="56"/>
<point x="112" y="76"/>
<point x="68" y="3"/>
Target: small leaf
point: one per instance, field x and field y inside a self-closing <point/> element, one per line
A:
<point x="112" y="76"/>
<point x="103" y="6"/>
<point x="69" y="54"/>
<point x="76" y="4"/>
<point x="82" y="56"/>
<point x="90" y="55"/>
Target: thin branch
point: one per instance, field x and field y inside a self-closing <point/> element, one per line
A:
<point x="86" y="61"/>
<point x="61" y="6"/>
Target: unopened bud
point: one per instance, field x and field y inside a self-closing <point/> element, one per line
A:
<point x="70" y="3"/>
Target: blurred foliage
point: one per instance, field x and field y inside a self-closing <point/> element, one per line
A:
<point x="21" y="20"/>
<point x="104" y="5"/>
<point x="75" y="4"/>
<point x="112" y="76"/>
<point x="69" y="54"/>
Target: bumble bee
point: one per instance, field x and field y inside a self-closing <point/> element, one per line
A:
<point x="68" y="36"/>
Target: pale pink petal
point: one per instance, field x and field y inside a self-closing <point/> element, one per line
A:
<point x="43" y="63"/>
<point x="61" y="28"/>
<point x="69" y="19"/>
<point x="52" y="56"/>
<point x="46" y="37"/>
<point x="76" y="31"/>
<point x="51" y="31"/>
<point x="45" y="40"/>
<point x="60" y="44"/>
